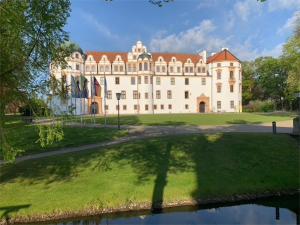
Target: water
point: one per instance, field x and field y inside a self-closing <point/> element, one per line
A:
<point x="280" y="210"/>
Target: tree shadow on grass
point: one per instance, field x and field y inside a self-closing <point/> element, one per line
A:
<point x="242" y="122"/>
<point x="7" y="210"/>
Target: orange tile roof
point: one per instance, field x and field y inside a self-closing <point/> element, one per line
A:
<point x="224" y="55"/>
<point x="111" y="56"/>
<point x="179" y="57"/>
<point x="166" y="56"/>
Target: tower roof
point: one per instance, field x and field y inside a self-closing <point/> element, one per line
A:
<point x="224" y="55"/>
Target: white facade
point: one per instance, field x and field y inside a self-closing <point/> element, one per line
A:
<point x="154" y="82"/>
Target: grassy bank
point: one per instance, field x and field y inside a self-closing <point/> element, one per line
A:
<point x="153" y="171"/>
<point x="24" y="137"/>
<point x="196" y="119"/>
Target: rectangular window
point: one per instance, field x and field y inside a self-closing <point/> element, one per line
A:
<point x="171" y="69"/>
<point x="232" y="104"/>
<point x="146" y="80"/>
<point x="219" y="74"/>
<point x="199" y="69"/>
<point x="231" y="76"/>
<point x="186" y="81"/>
<point x="169" y="95"/>
<point x="186" y="106"/>
<point x="231" y="64"/>
<point x="203" y="69"/>
<point x="133" y="80"/>
<point x="172" y="80"/>
<point x="146" y="107"/>
<point x="158" y="69"/>
<point x="135" y="95"/>
<point x="178" y="69"/>
<point x="219" y="88"/>
<point x="77" y="67"/>
<point x="186" y="94"/>
<point x="154" y="107"/>
<point x="117" y="80"/>
<point x="157" y="94"/>
<point x="170" y="106"/>
<point x="101" y="68"/>
<point x="146" y="95"/>
<point x="219" y="105"/>
<point x="139" y="80"/>
<point x="124" y="107"/>
<point x="121" y="68"/>
<point x="135" y="107"/>
<point x="106" y="107"/>
<point x="115" y="68"/>
<point x="109" y="95"/>
<point x="219" y="65"/>
<point x="231" y="88"/>
<point x="134" y="68"/>
<point x="203" y="81"/>
<point x="157" y="80"/>
<point x="163" y="69"/>
<point x="123" y="94"/>
<point x="186" y="69"/>
<point x="191" y="69"/>
<point x="161" y="106"/>
<point x="107" y="68"/>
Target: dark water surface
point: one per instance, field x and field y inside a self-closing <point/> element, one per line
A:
<point x="279" y="210"/>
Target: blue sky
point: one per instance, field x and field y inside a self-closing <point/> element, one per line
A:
<point x="248" y="28"/>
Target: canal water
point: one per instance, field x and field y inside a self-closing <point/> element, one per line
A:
<point x="279" y="210"/>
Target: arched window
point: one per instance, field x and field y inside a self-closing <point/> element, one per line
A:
<point x="140" y="67"/>
<point x="173" y="59"/>
<point x="189" y="61"/>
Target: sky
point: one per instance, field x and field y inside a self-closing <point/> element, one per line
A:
<point x="248" y="28"/>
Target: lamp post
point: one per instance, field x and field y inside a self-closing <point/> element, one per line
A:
<point x="118" y="98"/>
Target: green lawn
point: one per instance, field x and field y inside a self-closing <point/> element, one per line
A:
<point x="24" y="137"/>
<point x="196" y="119"/>
<point x="164" y="169"/>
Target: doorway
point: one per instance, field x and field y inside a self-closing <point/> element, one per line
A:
<point x="202" y="107"/>
<point x="94" y="108"/>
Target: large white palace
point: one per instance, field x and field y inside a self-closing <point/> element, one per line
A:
<point x="150" y="83"/>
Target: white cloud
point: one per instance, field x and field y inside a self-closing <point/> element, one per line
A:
<point x="198" y="37"/>
<point x="207" y="4"/>
<point x="99" y="27"/>
<point x="245" y="8"/>
<point x="283" y="4"/>
<point x="290" y="24"/>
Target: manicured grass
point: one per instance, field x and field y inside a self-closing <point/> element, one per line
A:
<point x="150" y="171"/>
<point x="196" y="119"/>
<point x="24" y="137"/>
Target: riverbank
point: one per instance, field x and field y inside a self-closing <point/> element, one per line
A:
<point x="146" y="208"/>
<point x="154" y="172"/>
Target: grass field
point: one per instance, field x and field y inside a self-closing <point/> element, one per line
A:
<point x="24" y="137"/>
<point x="151" y="171"/>
<point x="196" y="119"/>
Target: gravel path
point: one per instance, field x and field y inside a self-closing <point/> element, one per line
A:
<point x="140" y="132"/>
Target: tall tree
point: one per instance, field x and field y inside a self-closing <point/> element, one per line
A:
<point x="31" y="36"/>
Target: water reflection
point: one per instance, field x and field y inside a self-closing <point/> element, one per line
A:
<point x="271" y="211"/>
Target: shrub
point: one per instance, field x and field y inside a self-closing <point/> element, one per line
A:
<point x="260" y="106"/>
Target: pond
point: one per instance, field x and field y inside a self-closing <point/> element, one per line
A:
<point x="278" y="210"/>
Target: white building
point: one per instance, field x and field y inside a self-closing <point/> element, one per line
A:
<point x="152" y="82"/>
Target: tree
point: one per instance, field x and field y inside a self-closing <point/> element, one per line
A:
<point x="31" y="36"/>
<point x="291" y="56"/>
<point x="248" y="82"/>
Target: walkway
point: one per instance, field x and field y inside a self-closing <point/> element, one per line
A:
<point x="140" y="132"/>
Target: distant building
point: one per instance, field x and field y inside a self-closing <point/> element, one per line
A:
<point x="151" y="82"/>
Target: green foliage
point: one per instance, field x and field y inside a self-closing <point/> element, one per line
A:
<point x="31" y="38"/>
<point x="50" y="134"/>
<point x="260" y="106"/>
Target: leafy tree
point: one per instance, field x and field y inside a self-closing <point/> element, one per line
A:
<point x="248" y="82"/>
<point x="291" y="56"/>
<point x="31" y="36"/>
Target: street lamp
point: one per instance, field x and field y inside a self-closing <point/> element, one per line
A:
<point x="118" y="98"/>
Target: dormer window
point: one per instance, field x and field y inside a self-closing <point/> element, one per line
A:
<point x="173" y="60"/>
<point x="76" y="56"/>
<point x="160" y="59"/>
<point x="77" y="66"/>
<point x="189" y="61"/>
<point x="231" y="64"/>
<point x="219" y="65"/>
<point x="140" y="67"/>
<point x="145" y="66"/>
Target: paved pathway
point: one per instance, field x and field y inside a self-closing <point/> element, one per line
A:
<point x="140" y="132"/>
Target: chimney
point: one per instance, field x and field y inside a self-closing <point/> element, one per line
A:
<point x="203" y="54"/>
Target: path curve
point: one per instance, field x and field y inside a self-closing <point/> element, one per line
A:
<point x="141" y="132"/>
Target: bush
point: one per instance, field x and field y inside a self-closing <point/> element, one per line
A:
<point x="260" y="106"/>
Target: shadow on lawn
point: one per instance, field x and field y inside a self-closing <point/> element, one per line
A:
<point x="243" y="122"/>
<point x="214" y="159"/>
<point x="6" y="210"/>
